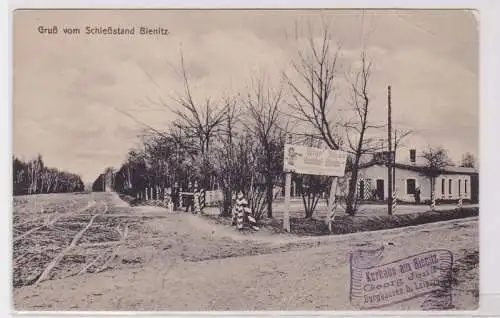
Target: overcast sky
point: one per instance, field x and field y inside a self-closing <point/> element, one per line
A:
<point x="67" y="88"/>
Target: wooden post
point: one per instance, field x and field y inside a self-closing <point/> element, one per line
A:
<point x="389" y="159"/>
<point x="286" y="217"/>
<point x="330" y="215"/>
<point x="288" y="184"/>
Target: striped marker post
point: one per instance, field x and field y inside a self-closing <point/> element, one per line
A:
<point x="202" y="199"/>
<point x="433" y="203"/>
<point x="394" y="201"/>
<point x="366" y="188"/>
<point x="239" y="210"/>
<point x="196" y="199"/>
<point x="460" y="202"/>
<point x="332" y="216"/>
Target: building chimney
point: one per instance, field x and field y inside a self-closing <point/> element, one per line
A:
<point x="413" y="156"/>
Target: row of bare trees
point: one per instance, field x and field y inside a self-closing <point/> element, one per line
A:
<point x="33" y="177"/>
<point x="236" y="145"/>
<point x="324" y="100"/>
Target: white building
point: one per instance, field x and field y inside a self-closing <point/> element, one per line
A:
<point x="451" y="184"/>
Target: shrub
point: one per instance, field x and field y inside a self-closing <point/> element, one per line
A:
<point x="347" y="224"/>
<point x="351" y="224"/>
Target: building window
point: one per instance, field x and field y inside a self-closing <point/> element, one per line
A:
<point x="442" y="186"/>
<point x="465" y="186"/>
<point x="459" y="187"/>
<point x="410" y="186"/>
<point x="449" y="186"/>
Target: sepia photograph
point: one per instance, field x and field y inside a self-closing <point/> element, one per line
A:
<point x="245" y="160"/>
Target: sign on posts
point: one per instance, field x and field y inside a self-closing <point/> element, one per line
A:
<point x="316" y="161"/>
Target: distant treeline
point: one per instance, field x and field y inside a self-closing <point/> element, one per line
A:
<point x="109" y="181"/>
<point x="33" y="177"/>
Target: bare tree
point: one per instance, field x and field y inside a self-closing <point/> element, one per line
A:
<point x="435" y="160"/>
<point x="199" y="120"/>
<point x="263" y="105"/>
<point x="197" y="123"/>
<point x="226" y="160"/>
<point x="399" y="136"/>
<point x="314" y="91"/>
<point x="358" y="139"/>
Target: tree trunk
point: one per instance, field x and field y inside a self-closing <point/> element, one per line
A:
<point x="269" y="189"/>
<point x="351" y="194"/>
<point x="226" y="204"/>
<point x="433" y="187"/>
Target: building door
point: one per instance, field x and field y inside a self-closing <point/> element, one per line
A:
<point x="380" y="189"/>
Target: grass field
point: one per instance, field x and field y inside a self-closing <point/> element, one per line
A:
<point x="61" y="235"/>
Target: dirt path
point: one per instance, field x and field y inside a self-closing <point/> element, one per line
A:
<point x="184" y="262"/>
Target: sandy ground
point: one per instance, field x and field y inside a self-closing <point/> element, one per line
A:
<point x="184" y="262"/>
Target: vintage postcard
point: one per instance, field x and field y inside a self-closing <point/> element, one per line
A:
<point x="245" y="160"/>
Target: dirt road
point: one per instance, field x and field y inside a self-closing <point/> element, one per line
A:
<point x="184" y="262"/>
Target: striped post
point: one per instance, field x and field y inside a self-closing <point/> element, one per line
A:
<point x="239" y="210"/>
<point x="368" y="189"/>
<point x="433" y="203"/>
<point x="332" y="216"/>
<point x="460" y="202"/>
<point x="394" y="201"/>
<point x="202" y="199"/>
<point x="196" y="199"/>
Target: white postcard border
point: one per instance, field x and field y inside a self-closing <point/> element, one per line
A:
<point x="489" y="12"/>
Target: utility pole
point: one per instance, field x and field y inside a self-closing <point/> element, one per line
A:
<point x="394" y="162"/>
<point x="288" y="183"/>
<point x="389" y="159"/>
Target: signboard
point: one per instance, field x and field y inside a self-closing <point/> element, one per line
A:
<point x="311" y="160"/>
<point x="375" y="285"/>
